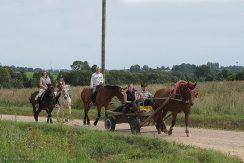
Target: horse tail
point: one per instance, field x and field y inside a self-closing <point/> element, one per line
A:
<point x="30" y="99"/>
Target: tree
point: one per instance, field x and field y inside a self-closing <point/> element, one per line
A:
<point x="79" y="65"/>
<point x="135" y="68"/>
<point x="5" y="79"/>
<point x="202" y="71"/>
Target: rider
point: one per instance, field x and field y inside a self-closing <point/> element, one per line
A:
<point x="96" y="82"/>
<point x="60" y="86"/>
<point x="145" y="96"/>
<point x="44" y="81"/>
<point x="130" y="99"/>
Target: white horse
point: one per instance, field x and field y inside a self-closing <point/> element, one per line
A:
<point x="64" y="102"/>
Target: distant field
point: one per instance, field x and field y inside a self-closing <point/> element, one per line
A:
<point x="219" y="105"/>
<point x="30" y="75"/>
<point x="58" y="143"/>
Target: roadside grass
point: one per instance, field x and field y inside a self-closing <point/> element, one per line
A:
<point x="23" y="142"/>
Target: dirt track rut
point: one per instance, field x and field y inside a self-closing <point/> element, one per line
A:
<point x="228" y="142"/>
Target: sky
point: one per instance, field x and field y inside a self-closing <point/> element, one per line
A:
<point x="54" y="33"/>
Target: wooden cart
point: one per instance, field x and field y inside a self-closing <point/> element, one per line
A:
<point x="136" y="121"/>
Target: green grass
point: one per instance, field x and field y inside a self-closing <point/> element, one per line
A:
<point x="48" y="143"/>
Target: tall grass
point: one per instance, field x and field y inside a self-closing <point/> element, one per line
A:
<point x="218" y="97"/>
<point x="219" y="105"/>
<point x="25" y="142"/>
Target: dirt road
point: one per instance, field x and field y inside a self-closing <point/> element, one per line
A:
<point x="228" y="142"/>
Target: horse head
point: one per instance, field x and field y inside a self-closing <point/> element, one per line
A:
<point x="65" y="92"/>
<point x="50" y="91"/>
<point x="119" y="93"/>
<point x="188" y="92"/>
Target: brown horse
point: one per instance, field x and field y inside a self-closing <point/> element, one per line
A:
<point x="47" y="103"/>
<point x="103" y="99"/>
<point x="181" y="102"/>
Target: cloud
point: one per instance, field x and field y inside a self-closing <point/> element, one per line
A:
<point x="172" y="1"/>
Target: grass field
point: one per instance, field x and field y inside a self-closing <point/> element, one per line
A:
<point x="23" y="142"/>
<point x="219" y="105"/>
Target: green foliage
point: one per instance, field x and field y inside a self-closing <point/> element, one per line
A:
<point x="81" y="73"/>
<point x="50" y="143"/>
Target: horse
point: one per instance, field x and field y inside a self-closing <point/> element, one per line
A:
<point x="181" y="100"/>
<point x="64" y="102"/>
<point x="47" y="103"/>
<point x="103" y="99"/>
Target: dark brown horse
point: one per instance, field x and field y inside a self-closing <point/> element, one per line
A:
<point x="47" y="103"/>
<point x="103" y="99"/>
<point x="182" y="101"/>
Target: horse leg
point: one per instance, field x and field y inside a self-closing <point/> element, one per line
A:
<point x="159" y="123"/>
<point x="37" y="114"/>
<point x="188" y="134"/>
<point x="98" y="115"/>
<point x="173" y="123"/>
<point x="47" y="115"/>
<point x="34" y="112"/>
<point x="58" y="119"/>
<point x="85" y="116"/>
<point x="163" y="126"/>
<point x="50" y="115"/>
<point x="69" y="112"/>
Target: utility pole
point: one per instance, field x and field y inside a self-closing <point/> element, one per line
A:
<point x="103" y="36"/>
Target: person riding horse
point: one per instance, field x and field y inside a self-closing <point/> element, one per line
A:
<point x="43" y="85"/>
<point x="96" y="82"/>
<point x="60" y="87"/>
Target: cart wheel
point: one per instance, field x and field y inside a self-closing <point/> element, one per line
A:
<point x="135" y="126"/>
<point x="110" y="124"/>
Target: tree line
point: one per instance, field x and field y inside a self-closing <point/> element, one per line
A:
<point x="80" y="73"/>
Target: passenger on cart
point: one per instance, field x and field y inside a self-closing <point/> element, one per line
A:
<point x="130" y="99"/>
<point x="145" y="97"/>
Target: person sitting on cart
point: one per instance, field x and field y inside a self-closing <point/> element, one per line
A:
<point x="130" y="99"/>
<point x="145" y="97"/>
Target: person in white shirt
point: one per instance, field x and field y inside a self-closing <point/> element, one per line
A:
<point x="145" y="96"/>
<point x="96" y="82"/>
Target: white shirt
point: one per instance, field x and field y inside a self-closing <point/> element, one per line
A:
<point x="144" y="94"/>
<point x="96" y="79"/>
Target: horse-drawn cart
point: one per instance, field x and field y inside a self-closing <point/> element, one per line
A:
<point x="136" y="121"/>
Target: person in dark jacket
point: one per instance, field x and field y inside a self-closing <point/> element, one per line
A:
<point x="130" y="99"/>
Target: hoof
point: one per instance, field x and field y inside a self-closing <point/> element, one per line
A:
<point x="95" y="123"/>
<point x="166" y="131"/>
<point x="169" y="133"/>
<point x="159" y="132"/>
<point x="188" y="134"/>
